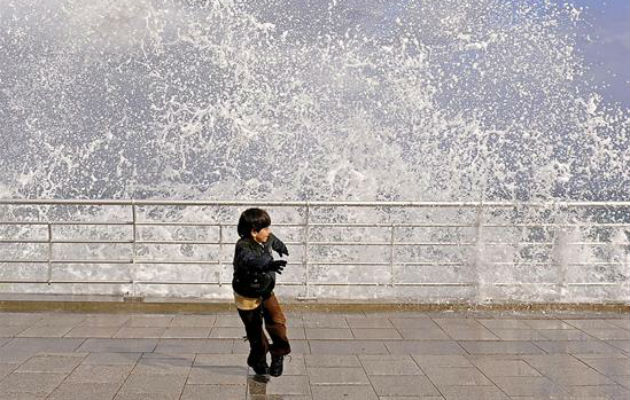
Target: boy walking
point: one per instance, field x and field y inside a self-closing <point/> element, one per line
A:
<point x="253" y="283"/>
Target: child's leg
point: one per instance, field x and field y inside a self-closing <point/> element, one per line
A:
<point x="258" y="343"/>
<point x="275" y="324"/>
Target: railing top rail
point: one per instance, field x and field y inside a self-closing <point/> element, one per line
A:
<point x="159" y="202"/>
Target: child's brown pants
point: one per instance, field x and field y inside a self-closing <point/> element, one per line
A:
<point x="275" y="325"/>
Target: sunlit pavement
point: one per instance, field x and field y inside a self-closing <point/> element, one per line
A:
<point x="387" y="356"/>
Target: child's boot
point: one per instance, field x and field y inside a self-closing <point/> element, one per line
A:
<point x="276" y="366"/>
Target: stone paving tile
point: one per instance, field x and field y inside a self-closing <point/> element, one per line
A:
<point x="7" y="368"/>
<point x="227" y="333"/>
<point x="218" y="360"/>
<point x="228" y="321"/>
<point x="15" y="356"/>
<point x="135" y="332"/>
<point x="10" y="331"/>
<point x="447" y="376"/>
<point x="623" y="345"/>
<point x="169" y="385"/>
<point x="519" y="334"/>
<point x="55" y="363"/>
<point x="46" y="345"/>
<point x="601" y="391"/>
<point x="27" y="319"/>
<point x="118" y="345"/>
<point x="92" y="331"/>
<point x="59" y="319"/>
<point x="296" y="333"/>
<point x="286" y="385"/>
<point x="105" y="321"/>
<point x="493" y="324"/>
<point x="609" y="334"/>
<point x="344" y="392"/>
<point x="590" y="323"/>
<point x="473" y="393"/>
<point x="538" y="387"/>
<point x="325" y="321"/>
<point x="331" y="360"/>
<point x="424" y="347"/>
<point x="369" y="333"/>
<point x="620" y="323"/>
<point x="465" y="329"/>
<point x="112" y="359"/>
<point x="347" y="347"/>
<point x="455" y="360"/>
<point x="45" y="331"/>
<point x="90" y="373"/>
<point x="564" y="335"/>
<point x="162" y="366"/>
<point x="423" y="334"/>
<point x="22" y="396"/>
<point x="149" y="321"/>
<point x="328" y="333"/>
<point x="493" y="347"/>
<point x="547" y="324"/>
<point x="84" y="391"/>
<point x="497" y="368"/>
<point x="403" y="386"/>
<point x="186" y="332"/>
<point x="278" y="397"/>
<point x="146" y="396"/>
<point x="193" y="321"/>
<point x="389" y="365"/>
<point x="172" y="356"/>
<point x="194" y="346"/>
<point x="337" y="376"/>
<point x="4" y="341"/>
<point x="218" y="375"/>
<point x="623" y="380"/>
<point x="364" y="322"/>
<point x="31" y="383"/>
<point x="412" y="323"/>
<point x="607" y="366"/>
<point x="576" y="347"/>
<point x="214" y="392"/>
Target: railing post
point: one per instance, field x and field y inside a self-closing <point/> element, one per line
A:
<point x="50" y="254"/>
<point x="134" y="238"/>
<point x="478" y="259"/>
<point x="307" y="285"/>
<point x="392" y="280"/>
<point x="559" y="254"/>
<point x="220" y="255"/>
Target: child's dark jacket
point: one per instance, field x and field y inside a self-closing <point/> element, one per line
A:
<point x="252" y="260"/>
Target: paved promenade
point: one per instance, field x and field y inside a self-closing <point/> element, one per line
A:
<point x="364" y="356"/>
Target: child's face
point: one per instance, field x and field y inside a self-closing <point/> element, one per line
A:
<point x="262" y="235"/>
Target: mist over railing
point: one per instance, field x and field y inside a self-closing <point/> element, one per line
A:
<point x="475" y="252"/>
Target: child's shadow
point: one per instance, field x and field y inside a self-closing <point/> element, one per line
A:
<point x="257" y="386"/>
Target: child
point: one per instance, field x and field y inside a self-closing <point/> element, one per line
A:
<point x="253" y="283"/>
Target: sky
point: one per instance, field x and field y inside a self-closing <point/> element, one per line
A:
<point x="608" y="51"/>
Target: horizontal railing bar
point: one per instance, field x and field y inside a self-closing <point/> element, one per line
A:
<point x="314" y="283"/>
<point x="70" y="282"/>
<point x="338" y="225"/>
<point x="179" y="242"/>
<point x="159" y="202"/>
<point x="191" y="262"/>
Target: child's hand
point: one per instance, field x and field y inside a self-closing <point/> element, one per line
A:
<point x="277" y="266"/>
<point x="280" y="247"/>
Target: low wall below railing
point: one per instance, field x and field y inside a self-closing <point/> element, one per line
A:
<point x="386" y="252"/>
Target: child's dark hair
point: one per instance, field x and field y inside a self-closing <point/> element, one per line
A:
<point x="252" y="218"/>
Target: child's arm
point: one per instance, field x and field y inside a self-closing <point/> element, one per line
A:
<point x="278" y="245"/>
<point x="246" y="258"/>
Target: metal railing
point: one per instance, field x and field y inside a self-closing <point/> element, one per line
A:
<point x="476" y="244"/>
